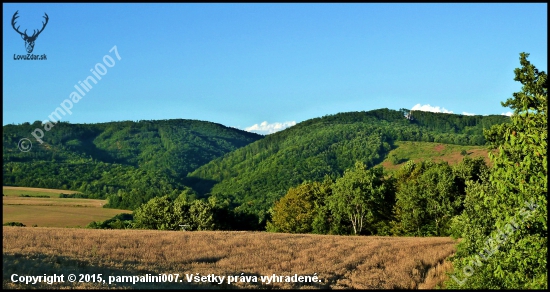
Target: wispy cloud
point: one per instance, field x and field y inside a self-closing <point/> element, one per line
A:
<point x="429" y="108"/>
<point x="266" y="128"/>
<point x="507" y="114"/>
<point x="468" y="114"/>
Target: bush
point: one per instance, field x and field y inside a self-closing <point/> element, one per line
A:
<point x="72" y="196"/>
<point x="120" y="221"/>
<point x="30" y="196"/>
<point x="394" y="159"/>
<point x="14" y="224"/>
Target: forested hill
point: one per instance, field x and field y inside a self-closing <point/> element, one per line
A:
<point x="262" y="172"/>
<point x="131" y="162"/>
<point x="102" y="159"/>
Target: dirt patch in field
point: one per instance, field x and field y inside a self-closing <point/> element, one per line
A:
<point x="439" y="147"/>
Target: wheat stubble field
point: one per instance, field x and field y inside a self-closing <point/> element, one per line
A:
<point x="52" y="211"/>
<point x="339" y="261"/>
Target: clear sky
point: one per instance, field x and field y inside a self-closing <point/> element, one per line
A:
<point x="264" y="67"/>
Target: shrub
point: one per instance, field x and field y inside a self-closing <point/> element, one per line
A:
<point x="14" y="224"/>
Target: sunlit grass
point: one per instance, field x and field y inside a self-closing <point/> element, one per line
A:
<point x="357" y="262"/>
<point x="16" y="191"/>
<point x="55" y="212"/>
<point x="437" y="152"/>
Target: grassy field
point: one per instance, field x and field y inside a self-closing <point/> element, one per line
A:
<point x="349" y="262"/>
<point x="437" y="152"/>
<point x="53" y="211"/>
<point x="16" y="191"/>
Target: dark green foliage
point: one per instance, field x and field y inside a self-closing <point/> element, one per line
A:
<point x="160" y="213"/>
<point x="120" y="221"/>
<point x="297" y="211"/>
<point x="260" y="173"/>
<point x="430" y="194"/>
<point x="33" y="196"/>
<point x="359" y="202"/>
<point x="363" y="198"/>
<point x="75" y="195"/>
<point x="263" y="172"/>
<point x="14" y="224"/>
<point x="214" y="213"/>
<point x="127" y="162"/>
<point x="427" y="198"/>
<point x="504" y="223"/>
<point x="459" y="124"/>
<point x="463" y="152"/>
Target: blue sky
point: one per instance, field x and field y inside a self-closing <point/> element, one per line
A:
<point x="268" y="65"/>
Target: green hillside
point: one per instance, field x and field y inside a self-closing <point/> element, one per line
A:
<point x="419" y="151"/>
<point x="260" y="173"/>
<point x="129" y="161"/>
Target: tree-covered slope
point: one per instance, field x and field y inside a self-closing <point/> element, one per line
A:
<point x="260" y="173"/>
<point x="149" y="157"/>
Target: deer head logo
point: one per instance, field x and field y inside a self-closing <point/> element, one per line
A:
<point x="29" y="40"/>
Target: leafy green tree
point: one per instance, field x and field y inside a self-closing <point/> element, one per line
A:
<point x="180" y="213"/>
<point x="358" y="197"/>
<point x="325" y="222"/>
<point x="156" y="214"/>
<point x="427" y="199"/>
<point x="300" y="207"/>
<point x="295" y="211"/>
<point x="202" y="217"/>
<point x="119" y="221"/>
<point x="504" y="224"/>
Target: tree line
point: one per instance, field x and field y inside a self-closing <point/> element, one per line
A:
<point x="260" y="173"/>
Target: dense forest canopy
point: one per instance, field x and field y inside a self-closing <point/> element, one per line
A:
<point x="260" y="173"/>
<point x="131" y="162"/>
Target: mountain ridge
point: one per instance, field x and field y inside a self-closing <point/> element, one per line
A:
<point x="258" y="174"/>
<point x="118" y="160"/>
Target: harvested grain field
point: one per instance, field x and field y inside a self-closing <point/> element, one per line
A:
<point x="358" y="262"/>
<point x="55" y="212"/>
<point x="25" y="190"/>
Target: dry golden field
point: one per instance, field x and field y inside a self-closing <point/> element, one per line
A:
<point x="346" y="262"/>
<point x="24" y="190"/>
<point x="55" y="212"/>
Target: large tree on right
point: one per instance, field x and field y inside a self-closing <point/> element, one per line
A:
<point x="504" y="223"/>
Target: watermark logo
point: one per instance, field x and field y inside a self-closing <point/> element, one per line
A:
<point x="29" y="40"/>
<point x="493" y="242"/>
<point x="24" y="144"/>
